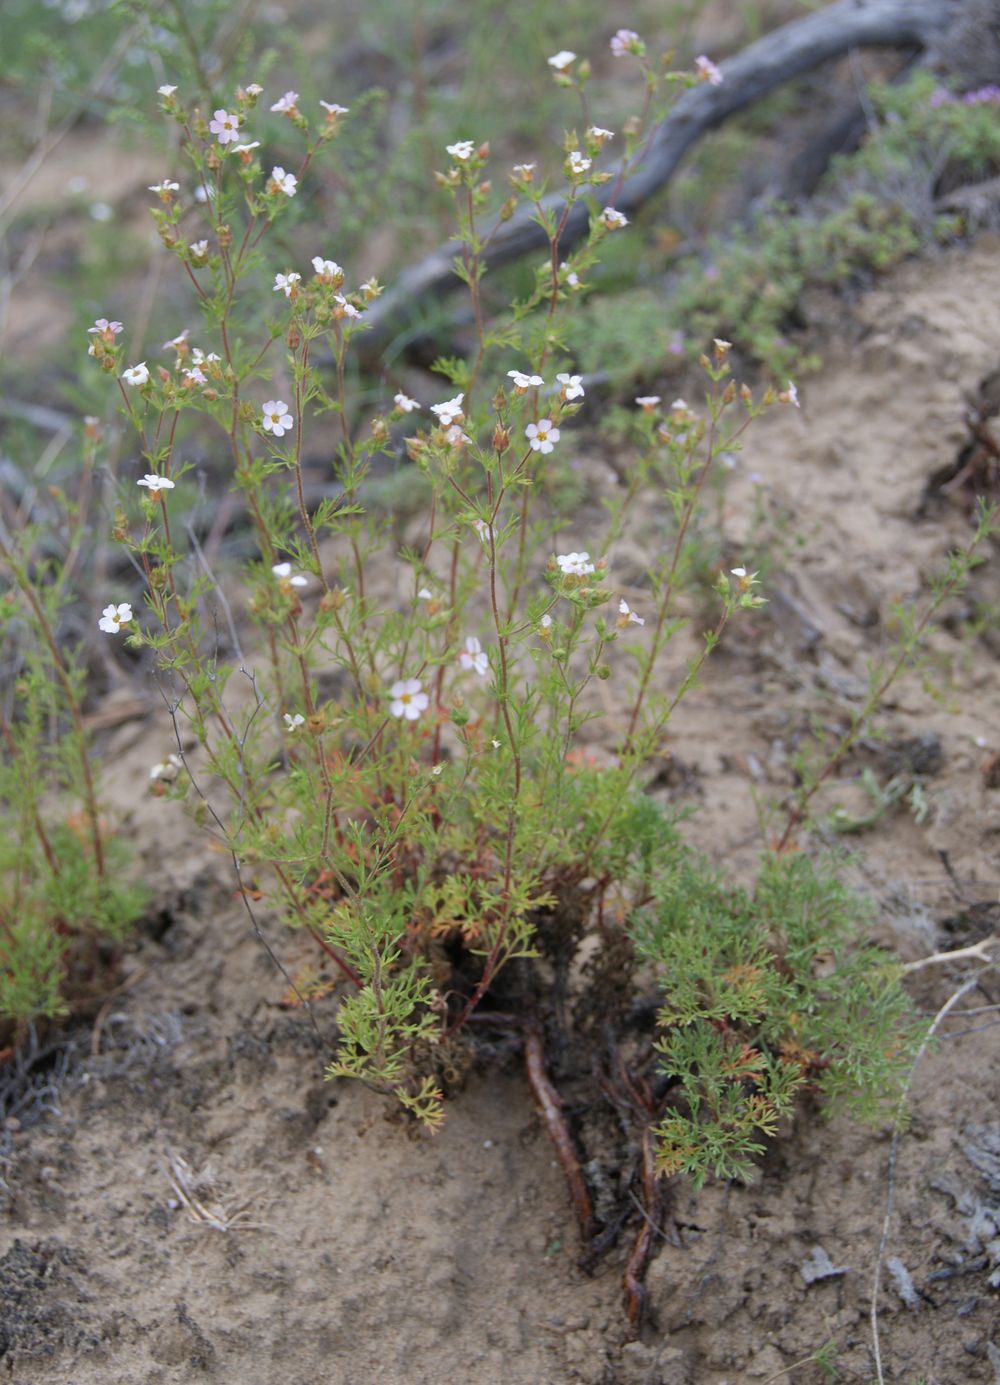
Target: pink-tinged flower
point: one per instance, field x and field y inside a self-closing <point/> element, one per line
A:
<point x="562" y="60"/>
<point x="333" y="110"/>
<point x="482" y="529"/>
<point x="136" y="375"/>
<point x="404" y="402"/>
<point x="524" y="382"/>
<point x="575" y="564"/>
<point x="155" y="483"/>
<point x="542" y="435"/>
<point x="572" y="388"/>
<point x="472" y="657"/>
<point x="450" y="411"/>
<point x="790" y="395"/>
<point x="178" y="344"/>
<point x="461" y="151"/>
<point x="613" y="219"/>
<point x="326" y="269"/>
<point x="578" y="163"/>
<point x="284" y="182"/>
<point x="194" y="375"/>
<point x="225" y="126"/>
<point x="277" y="419"/>
<point x="570" y="276"/>
<point x="107" y="330"/>
<point x="114" y="617"/>
<point x="407" y="699"/>
<point x="456" y="436"/>
<point x="647" y="402"/>
<point x="286" y="104"/>
<point x="707" y="71"/>
<point x="626" y="616"/>
<point x="285" y="283"/>
<point x="624" y="42"/>
<point x="292" y="723"/>
<point x="284" y="573"/>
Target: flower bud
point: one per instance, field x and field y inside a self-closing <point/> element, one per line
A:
<point x="501" y="439"/>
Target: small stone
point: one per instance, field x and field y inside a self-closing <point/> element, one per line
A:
<point x="820" y="1266"/>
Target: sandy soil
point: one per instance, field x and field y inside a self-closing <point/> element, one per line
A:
<point x="357" y="1250"/>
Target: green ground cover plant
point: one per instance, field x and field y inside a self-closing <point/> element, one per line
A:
<point x="400" y="774"/>
<point x="387" y="727"/>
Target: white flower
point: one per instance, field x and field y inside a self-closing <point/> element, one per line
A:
<point x="404" y="402"/>
<point x="626" y="616"/>
<point x="294" y="722"/>
<point x="225" y="126"/>
<point x="195" y="376"/>
<point x="679" y="406"/>
<point x="407" y="699"/>
<point x="482" y="529"/>
<point x="525" y="172"/>
<point x="284" y="571"/>
<point x="333" y="110"/>
<point x="570" y="275"/>
<point x="790" y="396"/>
<point x="277" y="419"/>
<point x="647" y="401"/>
<point x="285" y="283"/>
<point x="596" y="132"/>
<point x="463" y="150"/>
<point x="425" y="594"/>
<point x="165" y="186"/>
<point x="450" y="411"/>
<point x="571" y="387"/>
<point x="738" y="571"/>
<point x="561" y="60"/>
<point x="496" y="744"/>
<point x="286" y="103"/>
<point x="575" y="564"/>
<point x="178" y="342"/>
<point x="329" y="269"/>
<point x="578" y="163"/>
<point x="707" y="70"/>
<point x="114" y="617"/>
<point x="136" y="374"/>
<point x="613" y="219"/>
<point x="199" y="249"/>
<point x="623" y="42"/>
<point x="155" y="483"/>
<point x="167" y="769"/>
<point x="255" y="89"/>
<point x="472" y="657"/>
<point x="165" y="91"/>
<point x="455" y="436"/>
<point x="546" y="621"/>
<point x="346" y="309"/>
<point x="525" y="382"/>
<point x="246" y="148"/>
<point x="542" y="435"/>
<point x="104" y="328"/>
<point x="285" y="182"/>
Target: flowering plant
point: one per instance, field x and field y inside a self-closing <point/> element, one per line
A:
<point x="398" y="762"/>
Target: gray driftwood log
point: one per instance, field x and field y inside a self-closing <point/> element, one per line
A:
<point x="779" y="57"/>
